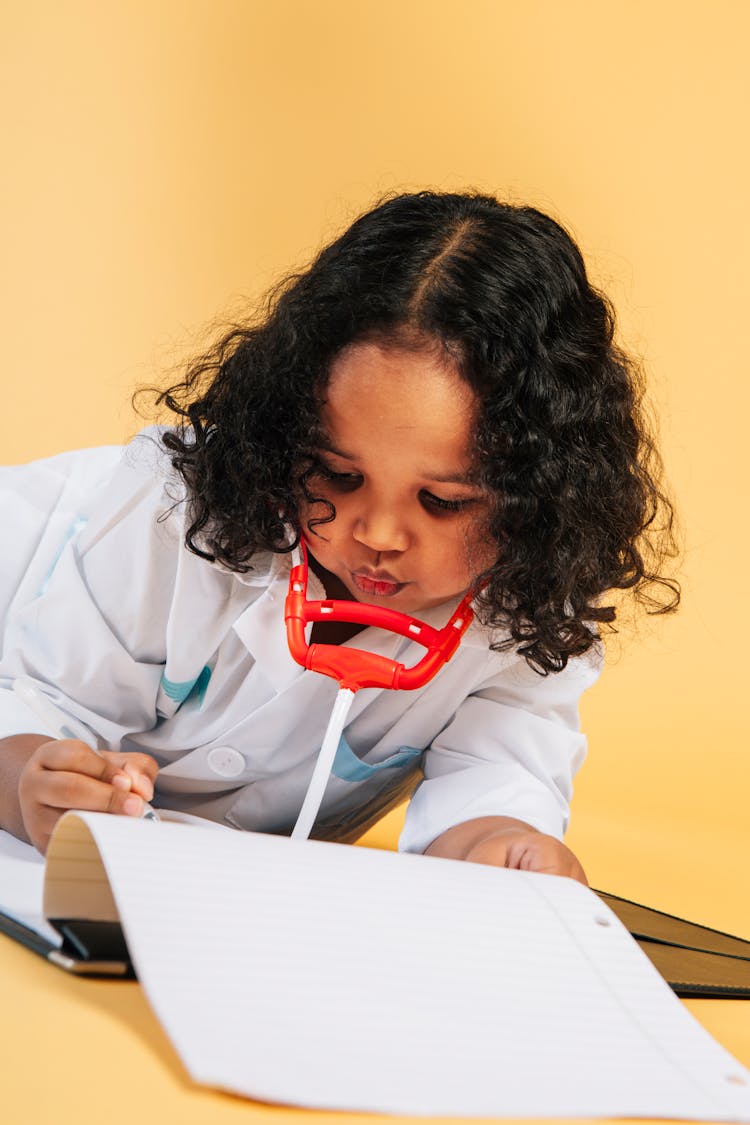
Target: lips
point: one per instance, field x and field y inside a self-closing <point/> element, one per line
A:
<point x="379" y="583"/>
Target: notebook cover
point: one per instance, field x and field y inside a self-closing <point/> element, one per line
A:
<point x="695" y="960"/>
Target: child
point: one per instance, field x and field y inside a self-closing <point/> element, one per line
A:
<point x="436" y="405"/>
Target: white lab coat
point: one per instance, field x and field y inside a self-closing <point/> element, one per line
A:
<point x="152" y="648"/>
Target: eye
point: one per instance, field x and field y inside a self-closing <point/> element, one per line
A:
<point x="345" y="482"/>
<point x="438" y="504"/>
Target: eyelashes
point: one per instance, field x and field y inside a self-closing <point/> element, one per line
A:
<point x="442" y="505"/>
<point x="350" y="482"/>
<point x="347" y="482"/>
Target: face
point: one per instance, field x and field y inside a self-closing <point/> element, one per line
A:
<point x="396" y="465"/>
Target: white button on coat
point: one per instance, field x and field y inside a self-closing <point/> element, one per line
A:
<point x="225" y="761"/>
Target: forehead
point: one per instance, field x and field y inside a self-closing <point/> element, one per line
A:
<point x="388" y="399"/>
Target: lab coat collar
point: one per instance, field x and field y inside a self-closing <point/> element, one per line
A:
<point x="267" y="566"/>
<point x="261" y="626"/>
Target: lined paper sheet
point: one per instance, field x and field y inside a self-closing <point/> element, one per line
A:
<point x="335" y="977"/>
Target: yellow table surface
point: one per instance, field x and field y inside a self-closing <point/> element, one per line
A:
<point x="91" y="1052"/>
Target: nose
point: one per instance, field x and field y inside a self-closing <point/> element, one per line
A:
<point x="380" y="530"/>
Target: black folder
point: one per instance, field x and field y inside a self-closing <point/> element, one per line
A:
<point x="694" y="960"/>
<point x="91" y="949"/>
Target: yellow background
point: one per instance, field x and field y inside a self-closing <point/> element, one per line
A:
<point x="164" y="160"/>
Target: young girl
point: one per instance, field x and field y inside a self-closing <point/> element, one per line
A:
<point x="436" y="405"/>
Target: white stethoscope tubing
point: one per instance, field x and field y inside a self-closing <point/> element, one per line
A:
<point x="322" y="771"/>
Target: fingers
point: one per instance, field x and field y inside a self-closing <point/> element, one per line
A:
<point x="528" y="851"/>
<point x="136" y="772"/>
<point x="139" y="769"/>
<point x="63" y="789"/>
<point x="564" y="863"/>
<point x="545" y="855"/>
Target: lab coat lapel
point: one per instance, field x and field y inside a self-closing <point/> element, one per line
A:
<point x="261" y="626"/>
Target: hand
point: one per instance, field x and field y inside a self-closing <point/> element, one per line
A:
<point x="67" y="774"/>
<point x="504" y="842"/>
<point x="528" y="851"/>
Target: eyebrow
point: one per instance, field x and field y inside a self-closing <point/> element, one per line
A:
<point x="467" y="478"/>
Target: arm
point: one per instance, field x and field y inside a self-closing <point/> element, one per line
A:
<point x="504" y="842"/>
<point x="498" y="777"/>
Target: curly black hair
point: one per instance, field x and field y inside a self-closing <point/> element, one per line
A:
<point x="562" y="441"/>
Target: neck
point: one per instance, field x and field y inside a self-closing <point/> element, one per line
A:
<point x="331" y="632"/>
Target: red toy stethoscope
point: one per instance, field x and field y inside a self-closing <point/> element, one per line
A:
<point x="355" y="669"/>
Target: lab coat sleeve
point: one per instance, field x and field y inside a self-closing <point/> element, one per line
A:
<point x="93" y="635"/>
<point x="511" y="749"/>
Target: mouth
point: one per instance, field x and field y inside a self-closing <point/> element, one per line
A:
<point x="379" y="584"/>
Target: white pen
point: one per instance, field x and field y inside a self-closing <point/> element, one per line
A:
<point x="57" y="721"/>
